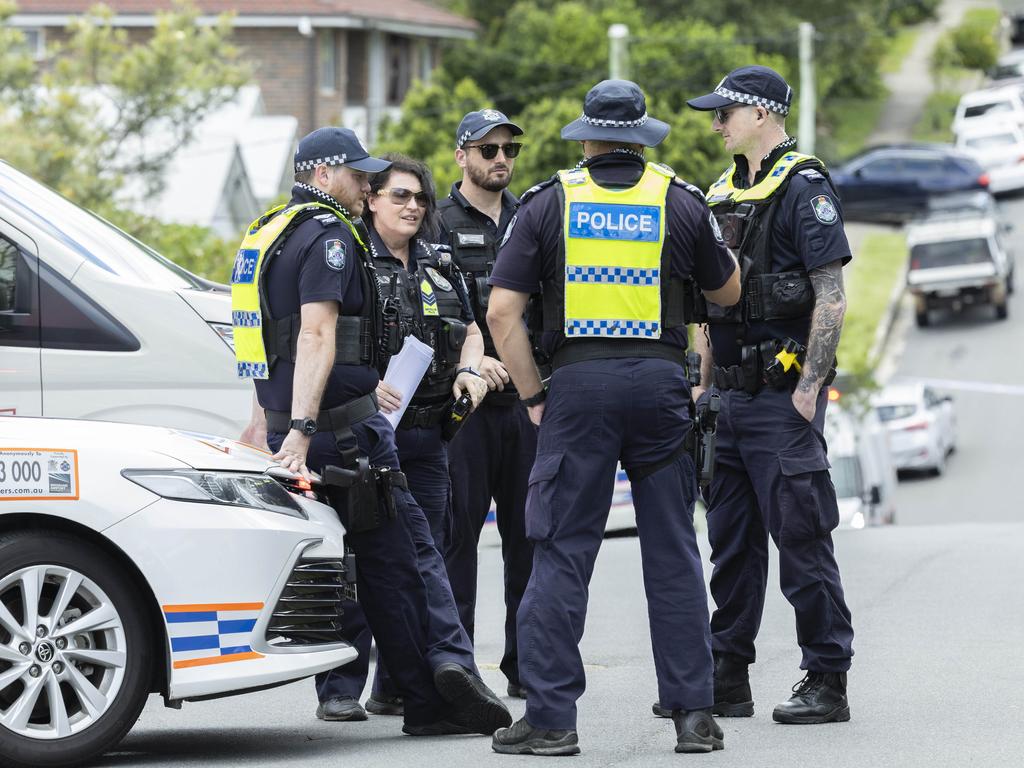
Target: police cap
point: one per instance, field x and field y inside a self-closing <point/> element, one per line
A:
<point x="476" y="125"/>
<point x="336" y="146"/>
<point x="754" y="85"/>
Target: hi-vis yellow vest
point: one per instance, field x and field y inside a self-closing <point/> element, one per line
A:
<point x="261" y="239"/>
<point x="723" y="190"/>
<point x="613" y="243"/>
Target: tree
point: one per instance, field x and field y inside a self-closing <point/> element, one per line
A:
<point x="81" y="124"/>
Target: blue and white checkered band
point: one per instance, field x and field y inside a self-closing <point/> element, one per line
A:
<point x="628" y="328"/>
<point x="749" y="98"/>
<point x="241" y="319"/>
<point x="252" y="370"/>
<point x="614" y="123"/>
<point x="309" y="165"/>
<point x="617" y="275"/>
<point x="329" y="199"/>
<point x="463" y="139"/>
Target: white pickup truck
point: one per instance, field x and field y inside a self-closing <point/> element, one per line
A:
<point x="957" y="261"/>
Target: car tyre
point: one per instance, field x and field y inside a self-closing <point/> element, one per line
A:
<point x="1002" y="310"/>
<point x="921" y="318"/>
<point x="940" y="465"/>
<point x="104" y="673"/>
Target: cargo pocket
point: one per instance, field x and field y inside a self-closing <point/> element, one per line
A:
<point x="541" y="514"/>
<point x="806" y="499"/>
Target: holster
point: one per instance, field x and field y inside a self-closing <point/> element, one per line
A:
<point x="363" y="495"/>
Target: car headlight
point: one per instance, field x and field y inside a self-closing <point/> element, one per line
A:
<point x="229" y="488"/>
<point x="226" y="333"/>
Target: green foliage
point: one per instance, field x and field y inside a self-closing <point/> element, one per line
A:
<point x="936" y="120"/>
<point x="870" y="279"/>
<point x="975" y="39"/>
<point x="59" y="129"/>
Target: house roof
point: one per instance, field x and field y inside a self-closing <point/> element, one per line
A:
<point x="320" y="12"/>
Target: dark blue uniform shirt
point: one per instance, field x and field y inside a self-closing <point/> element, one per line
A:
<point x="301" y="274"/>
<point x="509" y="204"/>
<point x="800" y="241"/>
<point x="527" y="255"/>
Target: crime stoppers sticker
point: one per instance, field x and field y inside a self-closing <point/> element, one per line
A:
<point x="38" y="473"/>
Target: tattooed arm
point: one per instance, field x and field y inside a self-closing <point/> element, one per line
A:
<point x="826" y="323"/>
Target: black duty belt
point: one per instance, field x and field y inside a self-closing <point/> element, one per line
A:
<point x="334" y="419"/>
<point x="578" y="350"/>
<point x="424" y="416"/>
<point x="732" y="378"/>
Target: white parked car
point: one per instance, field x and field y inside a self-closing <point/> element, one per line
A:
<point x="142" y="559"/>
<point x="999" y="149"/>
<point x="921" y="424"/>
<point x="999" y="103"/>
<point x="95" y="325"/>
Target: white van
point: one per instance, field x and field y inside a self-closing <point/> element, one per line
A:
<point x="863" y="472"/>
<point x="95" y="325"/>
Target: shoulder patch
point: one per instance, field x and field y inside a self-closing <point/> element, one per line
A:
<point x="508" y="229"/>
<point x="327" y="219"/>
<point x="812" y="175"/>
<point x="715" y="229"/>
<point x="335" y="254"/>
<point x="824" y="209"/>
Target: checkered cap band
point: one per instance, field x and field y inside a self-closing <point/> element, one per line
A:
<point x="749" y="98"/>
<point x="616" y="275"/>
<point x="614" y="123"/>
<point x="613" y="328"/>
<point x="463" y="139"/>
<point x="309" y="165"/>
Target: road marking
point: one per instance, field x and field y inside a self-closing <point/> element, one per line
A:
<point x="974" y="386"/>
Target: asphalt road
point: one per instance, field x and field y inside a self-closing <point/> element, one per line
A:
<point x="937" y="678"/>
<point x="980" y="362"/>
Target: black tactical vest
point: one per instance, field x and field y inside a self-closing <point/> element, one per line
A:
<point x="425" y="304"/>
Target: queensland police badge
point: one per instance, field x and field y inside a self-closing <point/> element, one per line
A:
<point x="824" y="209"/>
<point x="335" y="250"/>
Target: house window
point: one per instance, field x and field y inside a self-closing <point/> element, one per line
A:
<point x="400" y="68"/>
<point x="35" y="42"/>
<point x="328" y="59"/>
<point x="356" y="85"/>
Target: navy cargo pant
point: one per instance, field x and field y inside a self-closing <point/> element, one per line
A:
<point x="490" y="458"/>
<point x="394" y="599"/>
<point x="600" y="412"/>
<point x="424" y="460"/>
<point x="771" y="478"/>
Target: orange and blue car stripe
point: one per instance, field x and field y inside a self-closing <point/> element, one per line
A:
<point x="211" y="633"/>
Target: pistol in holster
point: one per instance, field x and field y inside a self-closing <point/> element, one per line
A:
<point x="705" y="430"/>
<point x="364" y="496"/>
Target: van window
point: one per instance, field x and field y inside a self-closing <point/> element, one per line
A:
<point x="846" y="476"/>
<point x="92" y="237"/>
<point x="8" y="274"/>
<point x="893" y="412"/>
<point x="951" y="253"/>
<point x="991" y="141"/>
<point x="991" y="108"/>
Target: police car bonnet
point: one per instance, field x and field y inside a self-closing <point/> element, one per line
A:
<point x="616" y="110"/>
<point x="336" y="146"/>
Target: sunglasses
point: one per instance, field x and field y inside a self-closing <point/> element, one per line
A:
<point x="490" y="151"/>
<point x="400" y="196"/>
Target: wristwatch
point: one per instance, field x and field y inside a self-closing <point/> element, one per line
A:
<point x="305" y="426"/>
<point x="536" y="399"/>
<point x="468" y="369"/>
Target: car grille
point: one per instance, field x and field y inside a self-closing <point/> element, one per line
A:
<point x="309" y="609"/>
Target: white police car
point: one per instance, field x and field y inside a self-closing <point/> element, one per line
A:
<point x="142" y="559"/>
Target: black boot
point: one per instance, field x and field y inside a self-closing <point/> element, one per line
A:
<point x="732" y="687"/>
<point x="697" y="731"/>
<point x="523" y="739"/>
<point x="819" y="698"/>
<point x="476" y="706"/>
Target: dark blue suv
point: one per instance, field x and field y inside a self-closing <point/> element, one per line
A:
<point x="898" y="182"/>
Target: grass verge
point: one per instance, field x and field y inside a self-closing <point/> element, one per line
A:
<point x="870" y="280"/>
<point x="899" y="48"/>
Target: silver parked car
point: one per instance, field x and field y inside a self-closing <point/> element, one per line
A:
<point x="921" y="425"/>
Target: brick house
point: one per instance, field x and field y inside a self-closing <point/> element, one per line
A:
<point x="321" y="61"/>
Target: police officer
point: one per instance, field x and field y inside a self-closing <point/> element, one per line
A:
<point x="616" y="244"/>
<point x="773" y="354"/>
<point x="424" y="294"/>
<point x="307" y="323"/>
<point x="492" y="456"/>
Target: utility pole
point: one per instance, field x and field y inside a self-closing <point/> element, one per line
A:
<point x="618" y="52"/>
<point x="808" y="95"/>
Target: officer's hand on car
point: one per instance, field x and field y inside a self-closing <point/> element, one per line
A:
<point x="255" y="434"/>
<point x="292" y="455"/>
<point x="472" y="384"/>
<point x="805" y="403"/>
<point x="494" y="373"/>
<point x="389" y="398"/>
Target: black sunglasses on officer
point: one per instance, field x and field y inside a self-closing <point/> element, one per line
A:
<point x="490" y="151"/>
